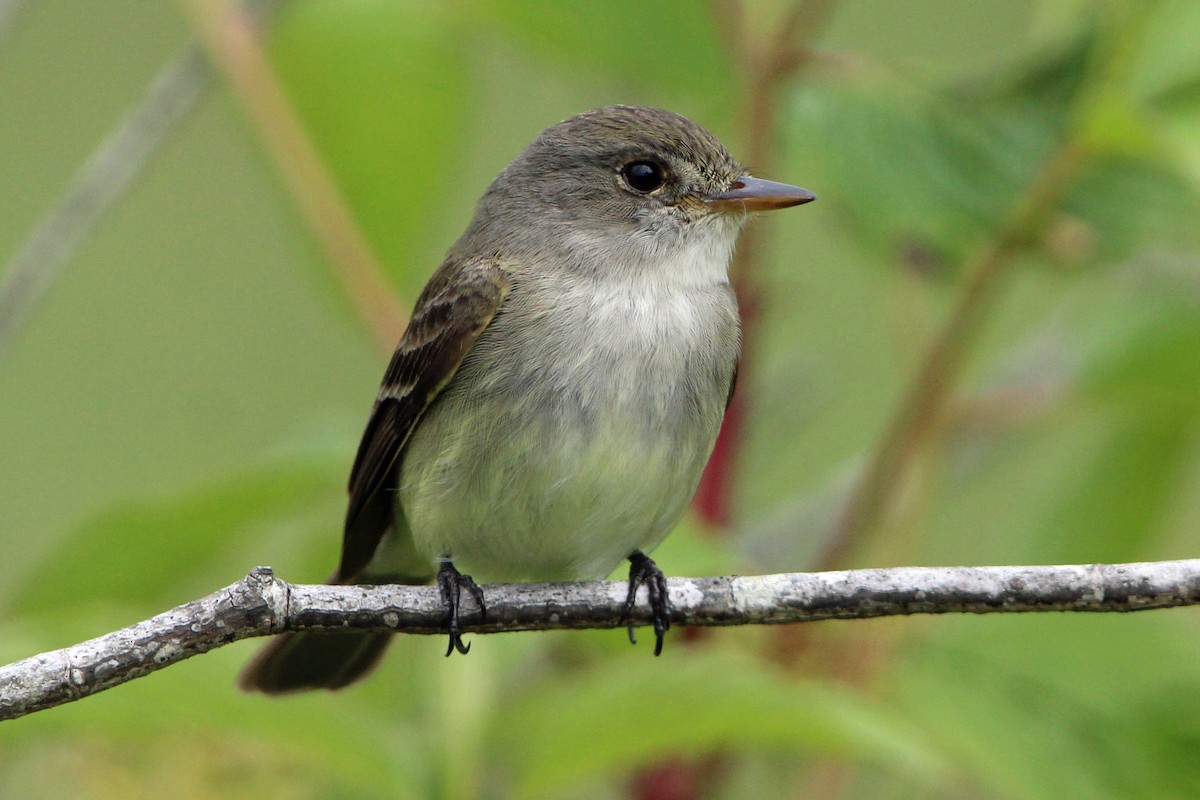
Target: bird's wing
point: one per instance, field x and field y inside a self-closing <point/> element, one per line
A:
<point x="732" y="384"/>
<point x="456" y="306"/>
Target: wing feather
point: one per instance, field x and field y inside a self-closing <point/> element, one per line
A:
<point x="457" y="305"/>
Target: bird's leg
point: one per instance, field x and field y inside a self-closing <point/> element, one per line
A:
<point x="642" y="570"/>
<point x="451" y="582"/>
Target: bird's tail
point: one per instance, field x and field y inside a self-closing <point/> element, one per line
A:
<point x="301" y="660"/>
<point x="318" y="659"/>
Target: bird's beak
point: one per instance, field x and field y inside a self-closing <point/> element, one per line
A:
<point x="755" y="194"/>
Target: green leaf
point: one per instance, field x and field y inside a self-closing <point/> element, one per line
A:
<point x="1128" y="204"/>
<point x="1146" y="381"/>
<point x="634" y="710"/>
<point x="382" y="91"/>
<point x="670" y="46"/>
<point x="1114" y="504"/>
<point x="1165" y="56"/>
<point x="925" y="176"/>
<point x="1155" y="369"/>
<point x="1051" y="706"/>
<point x="915" y="172"/>
<point x="152" y="553"/>
<point x="347" y="745"/>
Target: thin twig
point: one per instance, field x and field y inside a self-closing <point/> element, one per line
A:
<point x="234" y="47"/>
<point x="98" y="184"/>
<point x="8" y="13"/>
<point x="261" y="605"/>
<point x="105" y="176"/>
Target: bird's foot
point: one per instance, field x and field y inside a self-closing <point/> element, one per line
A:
<point x="451" y="582"/>
<point x="643" y="571"/>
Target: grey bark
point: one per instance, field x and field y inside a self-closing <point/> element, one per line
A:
<point x="261" y="604"/>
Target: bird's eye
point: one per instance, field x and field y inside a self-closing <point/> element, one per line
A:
<point x="643" y="176"/>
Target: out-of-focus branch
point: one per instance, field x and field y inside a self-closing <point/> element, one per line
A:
<point x="231" y="42"/>
<point x="105" y="176"/>
<point x="98" y="184"/>
<point x="762" y="69"/>
<point x="926" y="399"/>
<point x="112" y="167"/>
<point x="261" y="604"/>
<point x="930" y="390"/>
<point x="8" y="13"/>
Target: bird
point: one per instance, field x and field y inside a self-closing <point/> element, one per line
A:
<point x="561" y="383"/>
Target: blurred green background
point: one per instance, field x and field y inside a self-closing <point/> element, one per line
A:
<point x="183" y="403"/>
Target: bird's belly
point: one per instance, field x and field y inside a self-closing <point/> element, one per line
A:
<point x="546" y="500"/>
<point x="554" y="462"/>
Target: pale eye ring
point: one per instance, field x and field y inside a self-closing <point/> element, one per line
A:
<point x="643" y="176"/>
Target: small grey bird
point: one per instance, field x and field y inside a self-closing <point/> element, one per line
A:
<point x="558" y="391"/>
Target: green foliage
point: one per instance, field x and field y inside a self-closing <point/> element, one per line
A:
<point x="564" y="731"/>
<point x="184" y="403"/>
<point x="928" y="175"/>
<point x="379" y="89"/>
<point x="619" y="38"/>
<point x="182" y="540"/>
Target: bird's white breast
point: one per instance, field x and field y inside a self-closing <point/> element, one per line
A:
<point x="578" y="426"/>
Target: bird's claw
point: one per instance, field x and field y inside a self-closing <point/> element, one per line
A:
<point x="643" y="571"/>
<point x="451" y="582"/>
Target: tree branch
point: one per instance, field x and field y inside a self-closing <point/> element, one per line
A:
<point x="261" y="604"/>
